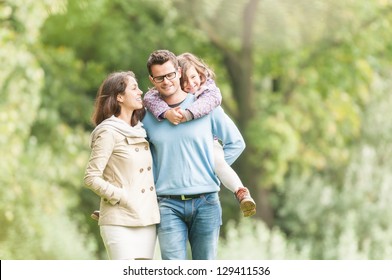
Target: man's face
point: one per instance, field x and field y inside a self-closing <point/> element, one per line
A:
<point x="166" y="78"/>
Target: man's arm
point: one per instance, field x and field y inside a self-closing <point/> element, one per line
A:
<point x="224" y="128"/>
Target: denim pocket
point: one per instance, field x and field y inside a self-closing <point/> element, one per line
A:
<point x="212" y="198"/>
<point x="161" y="199"/>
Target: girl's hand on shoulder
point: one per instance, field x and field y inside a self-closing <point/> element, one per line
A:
<point x="186" y="115"/>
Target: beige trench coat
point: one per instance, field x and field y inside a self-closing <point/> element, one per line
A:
<point x="120" y="172"/>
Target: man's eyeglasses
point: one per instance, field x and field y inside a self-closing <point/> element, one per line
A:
<point x="170" y="76"/>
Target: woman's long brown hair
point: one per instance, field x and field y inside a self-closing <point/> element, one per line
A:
<point x="106" y="104"/>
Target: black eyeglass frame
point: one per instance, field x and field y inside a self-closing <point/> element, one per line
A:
<point x="169" y="76"/>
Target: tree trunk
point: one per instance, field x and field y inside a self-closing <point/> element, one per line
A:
<point x="240" y="68"/>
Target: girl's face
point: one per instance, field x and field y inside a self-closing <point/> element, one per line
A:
<point x="192" y="80"/>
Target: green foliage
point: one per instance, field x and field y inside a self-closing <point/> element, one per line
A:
<point x="350" y="221"/>
<point x="34" y="209"/>
<point x="124" y="42"/>
<point x="316" y="89"/>
<point x="299" y="101"/>
<point x="36" y="224"/>
<point x="251" y="239"/>
<point x="69" y="90"/>
<point x="275" y="141"/>
<point x="322" y="220"/>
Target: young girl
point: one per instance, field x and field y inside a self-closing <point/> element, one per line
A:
<point x="198" y="78"/>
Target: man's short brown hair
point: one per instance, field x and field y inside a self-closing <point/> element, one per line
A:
<point x="160" y="57"/>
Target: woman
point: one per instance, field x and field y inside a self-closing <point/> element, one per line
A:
<point x="120" y="170"/>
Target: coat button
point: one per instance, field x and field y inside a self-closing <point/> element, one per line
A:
<point x="146" y="148"/>
<point x="143" y="190"/>
<point x="151" y="188"/>
<point x="141" y="170"/>
<point x="105" y="199"/>
<point x="149" y="168"/>
<point x="137" y="149"/>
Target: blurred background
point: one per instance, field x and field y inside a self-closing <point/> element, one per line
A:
<point x="307" y="82"/>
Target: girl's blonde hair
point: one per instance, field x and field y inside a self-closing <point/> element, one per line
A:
<point x="186" y="60"/>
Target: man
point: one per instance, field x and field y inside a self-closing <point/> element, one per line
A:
<point x="186" y="184"/>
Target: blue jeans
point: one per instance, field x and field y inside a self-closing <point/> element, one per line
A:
<point x="197" y="220"/>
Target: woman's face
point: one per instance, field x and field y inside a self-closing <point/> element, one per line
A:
<point x="192" y="80"/>
<point x="132" y="97"/>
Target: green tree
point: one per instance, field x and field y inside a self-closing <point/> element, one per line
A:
<point x="295" y="78"/>
<point x="299" y="75"/>
<point x="35" y="223"/>
<point x="351" y="220"/>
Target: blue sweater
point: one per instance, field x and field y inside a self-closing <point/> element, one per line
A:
<point x="183" y="154"/>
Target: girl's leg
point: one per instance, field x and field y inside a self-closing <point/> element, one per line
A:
<point x="231" y="181"/>
<point x="226" y="174"/>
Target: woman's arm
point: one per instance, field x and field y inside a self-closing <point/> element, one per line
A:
<point x="101" y="151"/>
